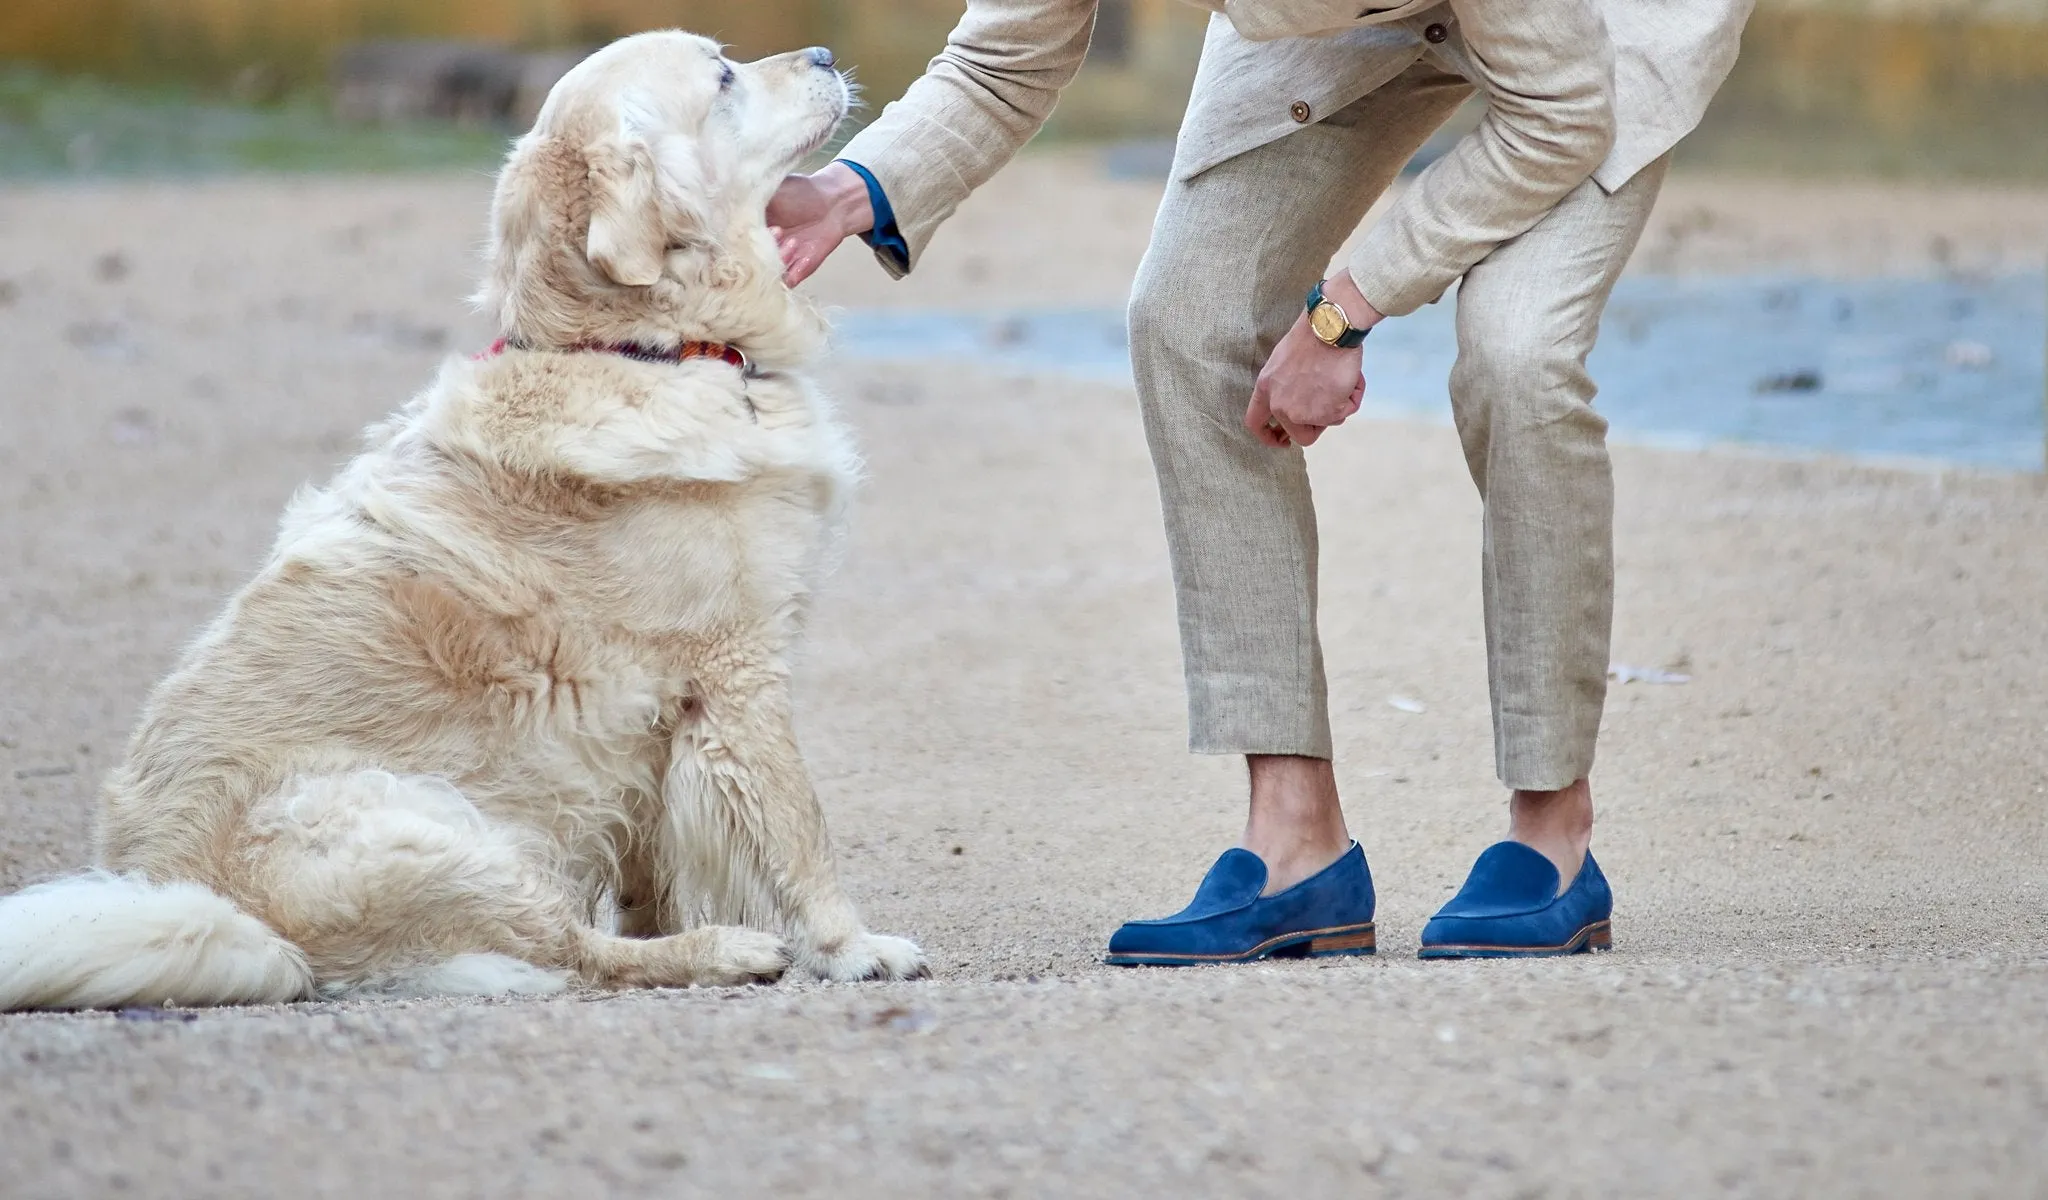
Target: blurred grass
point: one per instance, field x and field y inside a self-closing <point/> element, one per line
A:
<point x="59" y="125"/>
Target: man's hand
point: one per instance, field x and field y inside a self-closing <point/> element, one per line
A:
<point x="811" y="214"/>
<point x="1307" y="387"/>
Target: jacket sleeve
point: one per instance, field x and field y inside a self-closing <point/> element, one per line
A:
<point x="976" y="105"/>
<point x="1547" y="69"/>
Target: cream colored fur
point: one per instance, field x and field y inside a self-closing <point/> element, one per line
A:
<point x="507" y="708"/>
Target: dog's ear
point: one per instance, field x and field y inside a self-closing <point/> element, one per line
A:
<point x="628" y="238"/>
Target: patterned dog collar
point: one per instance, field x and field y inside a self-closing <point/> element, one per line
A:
<point x="724" y="352"/>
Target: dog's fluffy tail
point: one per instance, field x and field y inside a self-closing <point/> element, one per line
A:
<point x="109" y="941"/>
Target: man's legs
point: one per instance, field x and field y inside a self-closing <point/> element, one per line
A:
<point x="1527" y="317"/>
<point x="1233" y="251"/>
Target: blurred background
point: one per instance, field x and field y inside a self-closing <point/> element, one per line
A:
<point x="1890" y="88"/>
<point x="1864" y="211"/>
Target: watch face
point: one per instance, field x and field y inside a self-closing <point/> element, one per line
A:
<point x="1327" y="321"/>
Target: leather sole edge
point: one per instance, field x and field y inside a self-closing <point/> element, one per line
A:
<point x="1335" y="941"/>
<point x="1597" y="936"/>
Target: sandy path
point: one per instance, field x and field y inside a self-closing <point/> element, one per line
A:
<point x="1829" y="848"/>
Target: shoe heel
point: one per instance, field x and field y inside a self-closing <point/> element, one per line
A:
<point x="1358" y="941"/>
<point x="1602" y="937"/>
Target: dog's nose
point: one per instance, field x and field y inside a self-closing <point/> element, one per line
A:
<point x="821" y="57"/>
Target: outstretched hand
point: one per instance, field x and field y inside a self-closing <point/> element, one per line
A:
<point x="811" y="214"/>
<point x="1307" y="387"/>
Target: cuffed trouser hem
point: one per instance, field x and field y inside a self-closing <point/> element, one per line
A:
<point x="1552" y="749"/>
<point x="1537" y="761"/>
<point x="1239" y="714"/>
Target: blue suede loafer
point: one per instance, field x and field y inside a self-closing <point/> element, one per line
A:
<point x="1328" y="913"/>
<point x="1510" y="908"/>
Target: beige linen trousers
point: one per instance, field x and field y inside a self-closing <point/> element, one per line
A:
<point x="1303" y="112"/>
<point x="1260" y="228"/>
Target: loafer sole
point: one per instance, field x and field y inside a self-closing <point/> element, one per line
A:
<point x="1597" y="936"/>
<point x="1334" y="941"/>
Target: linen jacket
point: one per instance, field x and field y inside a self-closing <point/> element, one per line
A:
<point x="1575" y="89"/>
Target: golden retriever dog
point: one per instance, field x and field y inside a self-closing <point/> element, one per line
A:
<point x="507" y="709"/>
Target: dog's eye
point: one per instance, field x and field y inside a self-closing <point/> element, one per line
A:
<point x="725" y="77"/>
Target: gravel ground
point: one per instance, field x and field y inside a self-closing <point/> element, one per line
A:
<point x="1831" y="974"/>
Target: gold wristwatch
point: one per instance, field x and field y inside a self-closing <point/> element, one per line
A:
<point x="1329" y="323"/>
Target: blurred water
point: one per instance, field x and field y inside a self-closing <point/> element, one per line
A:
<point x="1949" y="369"/>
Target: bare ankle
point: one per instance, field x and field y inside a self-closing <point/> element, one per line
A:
<point x="1296" y="822"/>
<point x="1558" y="824"/>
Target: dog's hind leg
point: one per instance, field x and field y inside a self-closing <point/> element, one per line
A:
<point x="748" y="836"/>
<point x="396" y="885"/>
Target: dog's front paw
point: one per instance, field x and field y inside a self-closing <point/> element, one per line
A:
<point x="867" y="956"/>
<point x="744" y="956"/>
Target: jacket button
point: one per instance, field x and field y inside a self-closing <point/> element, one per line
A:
<point x="1299" y="111"/>
<point x="1435" y="34"/>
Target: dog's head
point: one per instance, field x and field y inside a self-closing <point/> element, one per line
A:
<point x="633" y="211"/>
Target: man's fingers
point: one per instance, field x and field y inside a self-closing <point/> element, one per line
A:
<point x="797" y="265"/>
<point x="802" y="255"/>
<point x="1258" y="416"/>
<point x="1302" y="435"/>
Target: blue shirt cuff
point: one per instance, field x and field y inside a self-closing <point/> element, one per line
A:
<point x="884" y="237"/>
